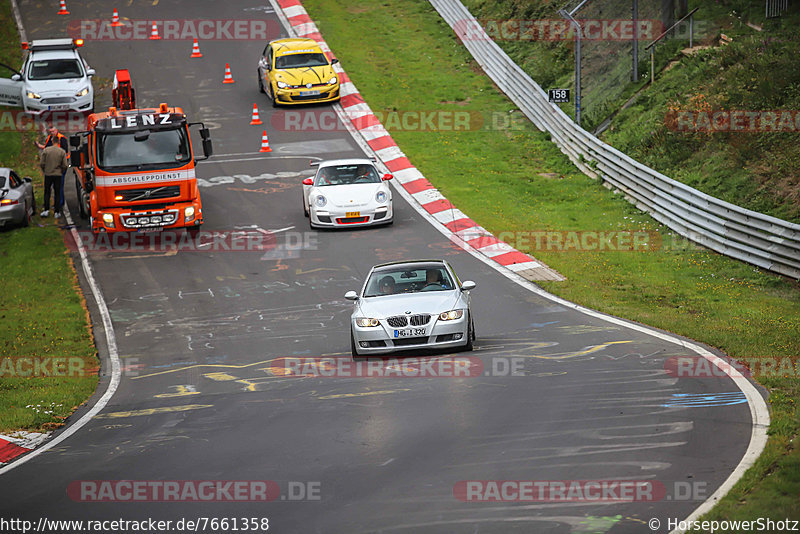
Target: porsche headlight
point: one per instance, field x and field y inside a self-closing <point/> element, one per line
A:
<point x="83" y="92"/>
<point x="320" y="201"/>
<point x="333" y="81"/>
<point x="366" y="321"/>
<point x="451" y="315"/>
<point x="381" y="197"/>
<point x="36" y="96"/>
<point x="282" y="85"/>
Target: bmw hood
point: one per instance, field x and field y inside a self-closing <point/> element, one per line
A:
<point x="432" y="302"/>
<point x="354" y="195"/>
<point x="306" y="75"/>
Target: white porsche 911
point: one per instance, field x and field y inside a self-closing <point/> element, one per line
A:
<point x="347" y="192"/>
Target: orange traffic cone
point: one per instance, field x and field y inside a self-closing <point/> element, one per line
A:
<point x="63" y="8"/>
<point x="196" y="50"/>
<point x="255" y="119"/>
<point x="154" y="32"/>
<point x="265" y="143"/>
<point x="228" y="78"/>
<point x="115" y="19"/>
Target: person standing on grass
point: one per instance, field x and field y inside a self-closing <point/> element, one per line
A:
<point x="57" y="138"/>
<point x="53" y="162"/>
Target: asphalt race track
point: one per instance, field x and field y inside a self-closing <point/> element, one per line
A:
<point x="199" y="333"/>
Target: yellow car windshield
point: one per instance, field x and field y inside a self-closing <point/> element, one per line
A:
<point x="298" y="61"/>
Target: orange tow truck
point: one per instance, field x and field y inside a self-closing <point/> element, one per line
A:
<point x="135" y="167"/>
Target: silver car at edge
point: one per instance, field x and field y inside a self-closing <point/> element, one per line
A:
<point x="17" y="202"/>
<point x="415" y="304"/>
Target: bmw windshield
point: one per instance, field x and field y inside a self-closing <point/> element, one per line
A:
<point x="432" y="277"/>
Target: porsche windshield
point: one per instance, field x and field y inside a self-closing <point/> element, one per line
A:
<point x="361" y="173"/>
<point x="160" y="149"/>
<point x="430" y="277"/>
<point x="298" y="61"/>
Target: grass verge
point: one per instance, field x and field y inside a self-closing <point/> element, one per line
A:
<point x="44" y="326"/>
<point x="515" y="180"/>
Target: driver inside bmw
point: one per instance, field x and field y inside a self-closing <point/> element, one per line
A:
<point x="433" y="276"/>
<point x="386" y="286"/>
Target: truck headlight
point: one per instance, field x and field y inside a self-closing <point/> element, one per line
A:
<point x="83" y="92"/>
<point x="188" y="213"/>
<point x="33" y="95"/>
<point x="108" y="219"/>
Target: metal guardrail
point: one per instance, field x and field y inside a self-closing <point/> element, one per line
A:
<point x="767" y="242"/>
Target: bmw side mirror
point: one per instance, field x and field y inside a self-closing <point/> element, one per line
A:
<point x="351" y="295"/>
<point x="91" y="72"/>
<point x="16" y="77"/>
<point x="308" y="181"/>
<point x="466" y="285"/>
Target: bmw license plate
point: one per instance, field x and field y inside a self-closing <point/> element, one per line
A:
<point x="309" y="93"/>
<point x="410" y="332"/>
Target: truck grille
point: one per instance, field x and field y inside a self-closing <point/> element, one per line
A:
<point x="150" y="193"/>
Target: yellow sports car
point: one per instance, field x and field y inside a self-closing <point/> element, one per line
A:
<point x="296" y="71"/>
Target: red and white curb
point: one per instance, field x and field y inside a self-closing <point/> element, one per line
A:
<point x="19" y="443"/>
<point x="421" y="190"/>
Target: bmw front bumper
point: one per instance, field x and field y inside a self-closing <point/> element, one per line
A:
<point x="383" y="339"/>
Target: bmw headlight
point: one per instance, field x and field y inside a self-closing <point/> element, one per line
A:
<point x="320" y="201"/>
<point x="451" y="315"/>
<point x="83" y="92"/>
<point x="282" y="85"/>
<point x="36" y="96"/>
<point x="381" y="197"/>
<point x="366" y="321"/>
<point x="333" y="81"/>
